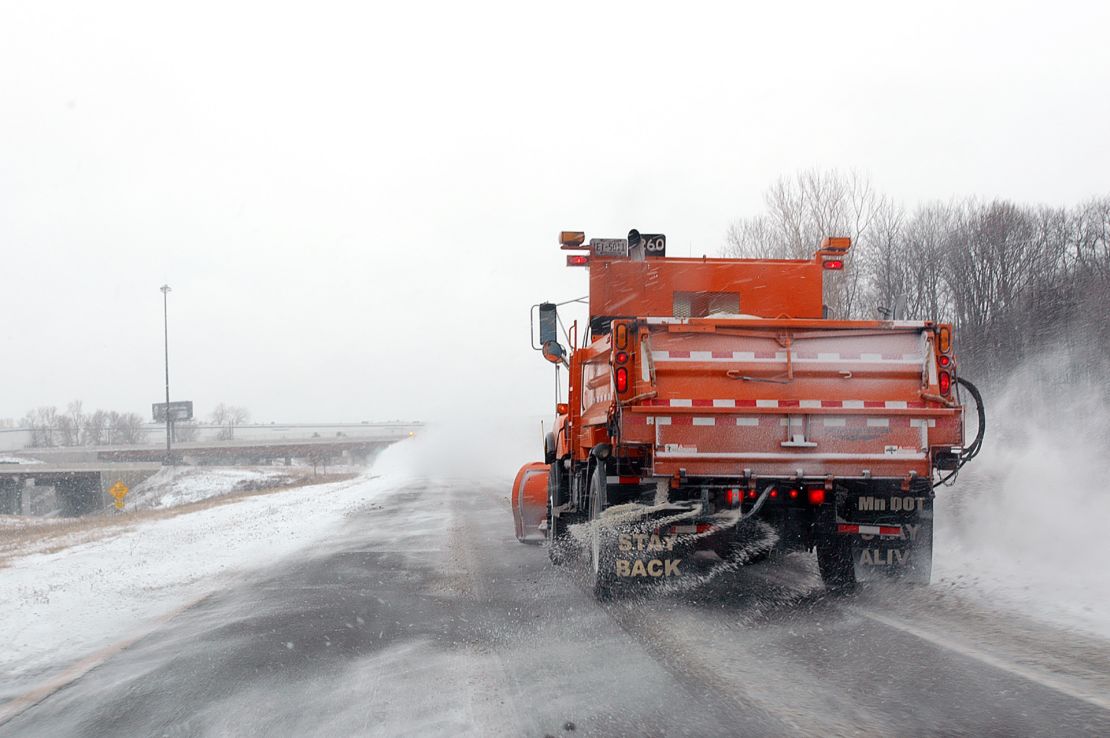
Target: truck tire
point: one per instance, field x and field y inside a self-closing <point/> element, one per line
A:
<point x="560" y="548"/>
<point x="834" y="559"/>
<point x="602" y="576"/>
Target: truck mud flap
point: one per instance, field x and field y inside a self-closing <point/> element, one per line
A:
<point x="907" y="559"/>
<point x="646" y="557"/>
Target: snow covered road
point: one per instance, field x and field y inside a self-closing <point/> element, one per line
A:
<point x="405" y="607"/>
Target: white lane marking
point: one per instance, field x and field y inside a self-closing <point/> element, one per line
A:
<point x="1037" y="677"/>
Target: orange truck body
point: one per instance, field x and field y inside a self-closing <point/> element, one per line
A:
<point x="714" y="375"/>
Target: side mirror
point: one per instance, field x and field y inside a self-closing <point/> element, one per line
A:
<point x="554" y="352"/>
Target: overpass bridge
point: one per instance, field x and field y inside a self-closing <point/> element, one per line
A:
<point x="75" y="480"/>
<point x="71" y="489"/>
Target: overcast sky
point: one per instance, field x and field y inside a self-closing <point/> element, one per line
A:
<point x="356" y="204"/>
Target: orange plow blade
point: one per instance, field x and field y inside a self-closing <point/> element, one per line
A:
<point x="530" y="502"/>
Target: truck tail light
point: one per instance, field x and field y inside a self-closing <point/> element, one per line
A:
<point x="944" y="379"/>
<point x="732" y="498"/>
<point x="944" y="361"/>
<point x="577" y="260"/>
<point x="622" y="379"/>
<point x="793" y="494"/>
<point x="944" y="339"/>
<point x="833" y="264"/>
<point x="621" y="335"/>
<point x="622" y="357"/>
<point x="817" y="496"/>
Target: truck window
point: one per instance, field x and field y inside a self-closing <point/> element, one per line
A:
<point x="704" y="304"/>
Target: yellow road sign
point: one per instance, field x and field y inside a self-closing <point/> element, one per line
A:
<point x="119" y="504"/>
<point x="119" y="490"/>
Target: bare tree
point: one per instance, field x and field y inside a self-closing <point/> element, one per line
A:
<point x="43" y="423"/>
<point x="802" y="211"/>
<point x="127" y="428"/>
<point x="228" y="417"/>
<point x="95" y="428"/>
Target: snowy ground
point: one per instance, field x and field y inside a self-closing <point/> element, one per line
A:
<point x="7" y="459"/>
<point x="58" y="607"/>
<point x="174" y="486"/>
<point x="996" y="544"/>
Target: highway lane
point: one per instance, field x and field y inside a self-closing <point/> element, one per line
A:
<point x="424" y="616"/>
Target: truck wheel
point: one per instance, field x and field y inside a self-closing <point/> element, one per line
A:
<point x="834" y="559"/>
<point x="601" y="573"/>
<point x="560" y="549"/>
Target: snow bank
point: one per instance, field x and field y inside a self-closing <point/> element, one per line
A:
<point x="1024" y="526"/>
<point x="173" y="486"/>
<point x="58" y="607"/>
<point x="4" y="459"/>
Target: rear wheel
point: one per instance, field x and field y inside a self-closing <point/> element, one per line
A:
<point x="601" y="565"/>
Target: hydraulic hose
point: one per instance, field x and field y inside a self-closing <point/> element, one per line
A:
<point x="973" y="449"/>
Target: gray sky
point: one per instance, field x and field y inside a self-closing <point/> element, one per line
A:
<point x="355" y="204"/>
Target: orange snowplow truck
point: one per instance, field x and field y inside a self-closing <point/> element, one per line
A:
<point x="714" y="415"/>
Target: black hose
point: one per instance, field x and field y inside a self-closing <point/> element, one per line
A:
<point x="971" y="451"/>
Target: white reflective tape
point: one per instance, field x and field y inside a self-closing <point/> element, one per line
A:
<point x="743" y="356"/>
<point x="867" y="530"/>
<point x="912" y="357"/>
<point x="747" y="421"/>
<point x="828" y="357"/>
<point x="663" y="420"/>
<point x="923" y="423"/>
<point x="792" y="421"/>
<point x="809" y="403"/>
<point x="766" y="403"/>
<point x="878" y="422"/>
<point x="724" y="403"/>
<point x="870" y="357"/>
<point x="896" y="404"/>
<point x="705" y="421"/>
<point x="612" y="480"/>
<point x="681" y="403"/>
<point x="660" y="355"/>
<point x="701" y="356"/>
<point x="651" y="420"/>
<point x="853" y="403"/>
<point x="834" y="422"/>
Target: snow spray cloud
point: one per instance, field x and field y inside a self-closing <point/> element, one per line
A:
<point x="480" y="449"/>
<point x="1028" y="515"/>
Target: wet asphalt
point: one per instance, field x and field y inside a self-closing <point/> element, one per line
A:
<point x="424" y="616"/>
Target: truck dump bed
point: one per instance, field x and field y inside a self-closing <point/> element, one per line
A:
<point x="728" y="396"/>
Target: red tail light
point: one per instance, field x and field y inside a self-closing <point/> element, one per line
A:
<point x="774" y="494"/>
<point x="944" y="361"/>
<point x="817" y="496"/>
<point x="577" y="260"/>
<point x="622" y="357"/>
<point x="833" y="264"/>
<point x="752" y="494"/>
<point x="793" y="494"/>
<point x="622" y="379"/>
<point x="732" y="498"/>
<point x="945" y="382"/>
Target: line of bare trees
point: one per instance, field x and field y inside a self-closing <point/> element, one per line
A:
<point x="73" y="427"/>
<point x="1017" y="280"/>
<point x="51" y="427"/>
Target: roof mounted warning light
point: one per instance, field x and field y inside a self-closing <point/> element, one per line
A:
<point x="572" y="240"/>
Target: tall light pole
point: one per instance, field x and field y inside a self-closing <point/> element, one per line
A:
<point x="166" y="332"/>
